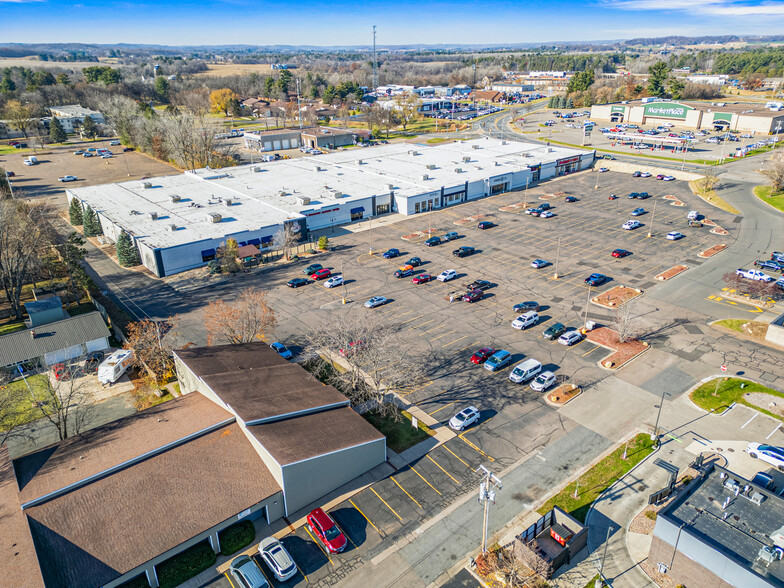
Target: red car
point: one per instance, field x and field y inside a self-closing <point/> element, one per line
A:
<point x="327" y="530"/>
<point x="61" y="372"/>
<point x="352" y="348"/>
<point x="421" y="279"/>
<point x="321" y="274"/>
<point x="620" y="253"/>
<point x="481" y="355"/>
<point x="473" y="295"/>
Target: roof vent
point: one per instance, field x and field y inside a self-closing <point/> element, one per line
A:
<point x="475" y="147"/>
<point x="303" y="201"/>
<point x="458" y="170"/>
<point x="503" y="142"/>
<point x="415" y="153"/>
<point x="359" y="162"/>
<point x="425" y="177"/>
<point x="172" y="228"/>
<point x="214" y="217"/>
<point x="174" y="198"/>
<point x="467" y="159"/>
<point x="152" y="215"/>
<point x="255" y="168"/>
<point x="390" y="186"/>
<point x="146" y="185"/>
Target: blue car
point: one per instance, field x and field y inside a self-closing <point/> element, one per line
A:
<point x="595" y="279"/>
<point x="390" y="253"/>
<point x="498" y="360"/>
<point x="282" y="350"/>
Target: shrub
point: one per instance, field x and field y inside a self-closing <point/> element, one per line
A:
<point x="651" y="514"/>
<point x="234" y="538"/>
<point x="214" y="266"/>
<point x="184" y="566"/>
<point x="323" y="243"/>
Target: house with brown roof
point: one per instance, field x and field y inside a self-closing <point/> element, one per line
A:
<point x="253" y="437"/>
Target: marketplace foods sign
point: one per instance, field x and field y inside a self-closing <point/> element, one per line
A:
<point x="667" y="110"/>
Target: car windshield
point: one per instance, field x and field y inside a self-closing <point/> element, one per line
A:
<point x="332" y="533"/>
<point x="517" y="371"/>
<point x="461" y="416"/>
<point x="772" y="449"/>
<point x="541" y="379"/>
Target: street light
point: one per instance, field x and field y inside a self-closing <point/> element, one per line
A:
<point x="557" y="255"/>
<point x="653" y="215"/>
<point x="486" y="495"/>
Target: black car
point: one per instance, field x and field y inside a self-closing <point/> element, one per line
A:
<point x="554" y="331"/>
<point x="570" y="199"/>
<point x="414" y="262"/>
<point x="526" y="306"/>
<point x="463" y="251"/>
<point x="596" y="279"/>
<point x="404" y="273"/>
<point x="485" y="225"/>
<point x="637" y="174"/>
<point x="433" y="241"/>
<point x="634" y="195"/>
<point x="126" y="149"/>
<point x="774" y="265"/>
<point x="643" y="195"/>
<point x="92" y="362"/>
<point x="478" y="285"/>
<point x="9" y="174"/>
<point x="297" y="282"/>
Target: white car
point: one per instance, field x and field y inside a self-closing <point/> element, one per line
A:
<point x="277" y="559"/>
<point x="767" y="453"/>
<point x="106" y="156"/>
<point x="67" y="179"/>
<point x="115" y="142"/>
<point x="446" y="275"/>
<point x="603" y="169"/>
<point x="333" y="281"/>
<point x="645" y="175"/>
<point x="693" y="215"/>
<point x="631" y="224"/>
<point x="570" y="338"/>
<point x="528" y="319"/>
<point x="464" y="418"/>
<point x="546" y="214"/>
<point x="675" y="235"/>
<point x="543" y="381"/>
<point x="668" y="178"/>
<point x="376" y="301"/>
<point x="754" y="275"/>
<point x="28" y="162"/>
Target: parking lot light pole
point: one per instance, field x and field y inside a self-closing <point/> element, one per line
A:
<point x="596" y="187"/>
<point x="587" y="303"/>
<point x="370" y="234"/>
<point x="557" y="255"/>
<point x="653" y="216"/>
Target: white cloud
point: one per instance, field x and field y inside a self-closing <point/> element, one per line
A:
<point x="707" y="7"/>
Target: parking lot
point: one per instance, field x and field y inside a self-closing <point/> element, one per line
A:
<point x="515" y="421"/>
<point x="55" y="162"/>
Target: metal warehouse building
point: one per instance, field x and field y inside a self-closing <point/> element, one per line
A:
<point x="177" y="222"/>
<point x="747" y="117"/>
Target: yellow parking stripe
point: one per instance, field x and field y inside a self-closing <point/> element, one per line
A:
<point x="363" y="514"/>
<point x="423" y="479"/>
<point x="442" y="408"/>
<point x="422" y="325"/>
<point x="443" y="470"/>
<point x="453" y="342"/>
<point x="407" y="494"/>
<point x="591" y="351"/>
<point x="444" y="335"/>
<point x="317" y="542"/>
<point x="411" y="319"/>
<point x="386" y="504"/>
<point x="467" y="346"/>
<point x="229" y="579"/>
<point x="458" y="457"/>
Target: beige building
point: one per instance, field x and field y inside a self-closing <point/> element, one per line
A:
<point x="733" y="116"/>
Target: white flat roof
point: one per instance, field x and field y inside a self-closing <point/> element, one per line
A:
<point x="269" y="195"/>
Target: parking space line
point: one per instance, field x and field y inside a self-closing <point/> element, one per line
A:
<point x="442" y="469"/>
<point x="453" y="342"/>
<point x="304" y="575"/>
<point x="262" y="571"/>
<point x="444" y="335"/>
<point x="474" y="447"/>
<point x="440" y="409"/>
<point x="591" y="351"/>
<point x="406" y="491"/>
<point x="319" y="544"/>
<point x="433" y="329"/>
<point x="411" y="319"/>
<point x="458" y="457"/>
<point x="424" y="480"/>
<point x="422" y="325"/>
<point x="229" y="579"/>
<point x="367" y="519"/>
<point x="773" y="431"/>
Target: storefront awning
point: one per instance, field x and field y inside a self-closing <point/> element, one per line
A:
<point x="208" y="252"/>
<point x="358" y="209"/>
<point x="254" y="242"/>
<point x="266" y="239"/>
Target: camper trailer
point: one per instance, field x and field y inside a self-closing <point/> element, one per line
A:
<point x="115" y="366"/>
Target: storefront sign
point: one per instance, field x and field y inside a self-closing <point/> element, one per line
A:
<point x="620" y="109"/>
<point x="667" y="110"/>
<point x="574" y="159"/>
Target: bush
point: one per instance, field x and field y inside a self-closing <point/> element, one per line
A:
<point x="651" y="514"/>
<point x="234" y="538"/>
<point x="214" y="266"/>
<point x="184" y="566"/>
<point x="323" y="243"/>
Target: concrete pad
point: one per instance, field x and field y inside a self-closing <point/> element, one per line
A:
<point x="638" y="545"/>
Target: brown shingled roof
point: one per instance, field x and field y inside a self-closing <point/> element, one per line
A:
<point x="295" y="439"/>
<point x="17" y="553"/>
<point x="115" y="443"/>
<point x="94" y="534"/>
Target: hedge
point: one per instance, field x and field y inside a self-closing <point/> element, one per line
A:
<point x="184" y="566"/>
<point x="234" y="538"/>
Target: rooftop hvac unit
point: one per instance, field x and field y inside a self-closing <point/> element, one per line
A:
<point x="458" y="170"/>
<point x="172" y="228"/>
<point x="769" y="554"/>
<point x="415" y="153"/>
<point x="303" y="201"/>
<point x="503" y="142"/>
<point x="227" y="202"/>
<point x="390" y="186"/>
<point x="431" y="166"/>
<point x="778" y="537"/>
<point x="337" y="194"/>
<point x="549" y="150"/>
<point x="174" y="198"/>
<point x="497" y="163"/>
<point x="425" y="177"/>
<point x="146" y="185"/>
<point x="466" y="159"/>
<point x="255" y="168"/>
<point x="757" y="498"/>
<point x="475" y="147"/>
<point x="359" y="162"/>
<point x="281" y="193"/>
<point x="214" y="217"/>
<point x="152" y="215"/>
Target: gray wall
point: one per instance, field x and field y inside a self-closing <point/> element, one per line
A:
<point x="306" y="481"/>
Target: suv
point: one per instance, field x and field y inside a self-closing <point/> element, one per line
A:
<point x="433" y="241"/>
<point x="554" y="331"/>
<point x="450" y="236"/>
<point x="473" y="296"/>
<point x="498" y="360"/>
<point x="247" y="573"/>
<point x="326" y="530"/>
<point x="526" y="320"/>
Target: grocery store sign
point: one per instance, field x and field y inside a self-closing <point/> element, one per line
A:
<point x="667" y="110"/>
<point x="618" y="109"/>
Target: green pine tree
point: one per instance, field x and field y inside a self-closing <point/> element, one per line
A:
<point x="75" y="212"/>
<point x="89" y="129"/>
<point x="56" y="132"/>
<point x="92" y="227"/>
<point x="323" y="243"/>
<point x="127" y="253"/>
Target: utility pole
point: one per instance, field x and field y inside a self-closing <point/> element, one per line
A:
<point x="486" y="495"/>
<point x="370" y="234"/>
<point x="653" y="216"/>
<point x="375" y="61"/>
<point x="299" y="108"/>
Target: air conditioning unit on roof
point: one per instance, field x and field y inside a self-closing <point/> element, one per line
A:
<point x="146" y="185"/>
<point x="152" y="215"/>
<point x="174" y="198"/>
<point x="214" y="217"/>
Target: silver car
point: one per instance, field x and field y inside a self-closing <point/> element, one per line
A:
<point x="247" y="573"/>
<point x="277" y="559"/>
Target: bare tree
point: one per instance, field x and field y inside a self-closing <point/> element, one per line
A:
<point x="408" y="108"/>
<point x="377" y="359"/>
<point x="286" y="238"/>
<point x="625" y="321"/>
<point x="151" y="349"/>
<point x="191" y="139"/>
<point x="21" y="116"/>
<point x="67" y="403"/>
<point x="775" y="172"/>
<point x="710" y="179"/>
<point x="249" y="318"/>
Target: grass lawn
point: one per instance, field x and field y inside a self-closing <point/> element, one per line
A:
<point x="81" y="308"/>
<point x="596" y="480"/>
<point x="400" y="434"/>
<point x="39" y="384"/>
<point x="13" y="327"/>
<point x="776" y="200"/>
<point x="708" y="398"/>
<point x="734" y="324"/>
<point x="711" y="197"/>
<point x="592" y="582"/>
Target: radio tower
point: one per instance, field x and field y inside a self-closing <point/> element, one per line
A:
<point x="375" y="61"/>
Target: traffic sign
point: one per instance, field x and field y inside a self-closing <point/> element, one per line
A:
<point x="724" y="368"/>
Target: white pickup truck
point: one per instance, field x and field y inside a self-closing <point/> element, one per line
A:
<point x="753" y="274"/>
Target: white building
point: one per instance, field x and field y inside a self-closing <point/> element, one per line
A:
<point x="717" y="80"/>
<point x="72" y="115"/>
<point x="178" y="222"/>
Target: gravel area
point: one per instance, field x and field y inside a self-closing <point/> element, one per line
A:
<point x="770" y="403"/>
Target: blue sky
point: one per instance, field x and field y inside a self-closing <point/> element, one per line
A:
<point x="347" y="22"/>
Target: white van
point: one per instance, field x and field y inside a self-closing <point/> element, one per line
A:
<point x="115" y="366"/>
<point x="525" y="370"/>
<point x="693" y="215"/>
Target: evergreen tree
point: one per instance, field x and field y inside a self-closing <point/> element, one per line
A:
<point x="56" y="132"/>
<point x="569" y="103"/>
<point x="92" y="227"/>
<point x="75" y="212"/>
<point x="7" y="85"/>
<point x="127" y="253"/>
<point x="89" y="128"/>
<point x="657" y="74"/>
<point x="162" y="89"/>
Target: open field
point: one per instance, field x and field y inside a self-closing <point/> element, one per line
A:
<point x="236" y="69"/>
<point x="34" y="62"/>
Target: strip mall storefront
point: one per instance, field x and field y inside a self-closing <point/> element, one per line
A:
<point x="567" y="166"/>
